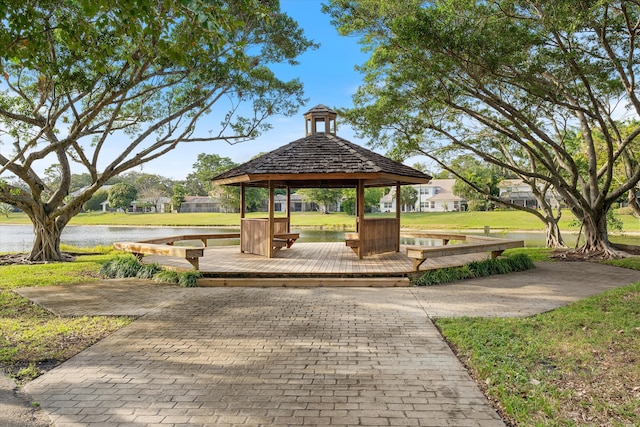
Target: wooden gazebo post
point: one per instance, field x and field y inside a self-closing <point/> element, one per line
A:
<point x="288" y="208"/>
<point x="398" y="210"/>
<point x="242" y="210"/>
<point x="271" y="219"/>
<point x="360" y="228"/>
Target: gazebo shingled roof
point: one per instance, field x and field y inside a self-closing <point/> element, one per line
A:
<point x="321" y="159"/>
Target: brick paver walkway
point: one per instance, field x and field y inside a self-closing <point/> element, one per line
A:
<point x="270" y="357"/>
<point x="289" y="356"/>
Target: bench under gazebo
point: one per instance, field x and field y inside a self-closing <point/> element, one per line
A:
<point x="320" y="160"/>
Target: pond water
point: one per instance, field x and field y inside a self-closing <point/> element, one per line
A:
<point x="19" y="238"/>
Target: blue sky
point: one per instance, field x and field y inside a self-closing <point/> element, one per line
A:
<point x="328" y="76"/>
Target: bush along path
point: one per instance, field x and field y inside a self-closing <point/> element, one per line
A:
<point x="123" y="266"/>
<point x="489" y="267"/>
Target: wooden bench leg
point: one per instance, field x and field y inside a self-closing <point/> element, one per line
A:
<point x="417" y="263"/>
<point x="496" y="254"/>
<point x="195" y="262"/>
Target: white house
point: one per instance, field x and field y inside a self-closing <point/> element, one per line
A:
<point x="517" y="192"/>
<point x="436" y="196"/>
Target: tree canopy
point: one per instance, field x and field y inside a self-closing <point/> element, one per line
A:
<point x="541" y="89"/>
<point x="121" y="195"/>
<point x="105" y="86"/>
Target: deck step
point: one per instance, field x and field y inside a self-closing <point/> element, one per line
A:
<point x="292" y="282"/>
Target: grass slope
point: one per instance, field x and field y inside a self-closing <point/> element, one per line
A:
<point x="577" y="365"/>
<point x="33" y="339"/>
<point x="454" y="221"/>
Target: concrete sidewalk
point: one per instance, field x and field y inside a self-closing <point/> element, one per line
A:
<point x="287" y="356"/>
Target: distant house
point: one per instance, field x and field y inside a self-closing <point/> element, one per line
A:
<point x="517" y="192"/>
<point x="200" y="204"/>
<point x="148" y="205"/>
<point x="436" y="196"/>
<point x="144" y="205"/>
<point x="298" y="204"/>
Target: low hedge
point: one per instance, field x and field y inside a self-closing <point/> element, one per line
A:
<point x="489" y="267"/>
<point x="127" y="265"/>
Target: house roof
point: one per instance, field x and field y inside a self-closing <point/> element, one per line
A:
<point x="510" y="183"/>
<point x="197" y="199"/>
<point x="445" y="184"/>
<point x="321" y="160"/>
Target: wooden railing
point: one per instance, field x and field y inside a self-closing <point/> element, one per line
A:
<point x="164" y="246"/>
<point x="380" y="235"/>
<point x="254" y="235"/>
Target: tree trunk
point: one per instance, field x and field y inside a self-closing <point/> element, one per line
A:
<point x="633" y="202"/>
<point x="596" y="237"/>
<point x="46" y="246"/>
<point x="554" y="237"/>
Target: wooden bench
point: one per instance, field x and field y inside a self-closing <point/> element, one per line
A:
<point x="420" y="254"/>
<point x="190" y="253"/>
<point x="289" y="238"/>
<point x="282" y="240"/>
<point x="352" y="240"/>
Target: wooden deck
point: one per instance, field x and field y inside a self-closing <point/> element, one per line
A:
<point x="318" y="261"/>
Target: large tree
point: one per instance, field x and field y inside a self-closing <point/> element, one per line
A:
<point x="206" y="167"/>
<point x="105" y="86"/>
<point x="322" y="196"/>
<point x="121" y="195"/>
<point x="510" y="82"/>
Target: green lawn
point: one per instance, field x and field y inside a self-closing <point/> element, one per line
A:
<point x="577" y="365"/>
<point x="454" y="221"/>
<point x="497" y="220"/>
<point x="31" y="338"/>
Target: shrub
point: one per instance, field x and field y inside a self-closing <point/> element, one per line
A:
<point x="167" y="276"/>
<point x="121" y="266"/>
<point x="512" y="264"/>
<point x="147" y="271"/>
<point x="445" y="275"/>
<point x="189" y="279"/>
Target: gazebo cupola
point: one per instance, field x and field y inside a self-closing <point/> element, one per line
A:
<point x="317" y="117"/>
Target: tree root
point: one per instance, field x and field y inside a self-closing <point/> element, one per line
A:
<point x="587" y="254"/>
<point x="23" y="259"/>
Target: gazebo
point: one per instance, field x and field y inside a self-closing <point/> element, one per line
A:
<point x="320" y="160"/>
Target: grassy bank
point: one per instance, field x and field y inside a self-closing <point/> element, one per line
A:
<point x="507" y="220"/>
<point x="454" y="221"/>
<point x="33" y="339"/>
<point x="577" y="365"/>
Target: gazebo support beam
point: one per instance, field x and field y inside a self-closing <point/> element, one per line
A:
<point x="288" y="209"/>
<point x="398" y="210"/>
<point x="360" y="209"/>
<point x="271" y="219"/>
<point x="242" y="213"/>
